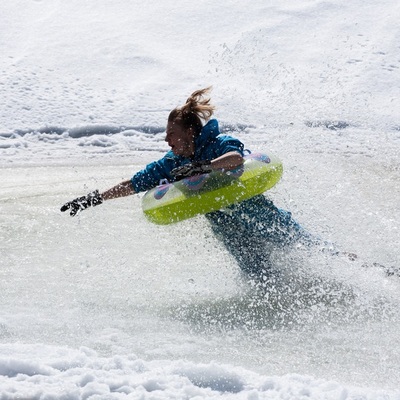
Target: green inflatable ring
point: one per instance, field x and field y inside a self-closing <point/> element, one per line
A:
<point x="201" y="194"/>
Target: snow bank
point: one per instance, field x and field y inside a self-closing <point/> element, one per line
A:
<point x="62" y="373"/>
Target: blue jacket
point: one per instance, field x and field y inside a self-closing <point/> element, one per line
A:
<point x="209" y="144"/>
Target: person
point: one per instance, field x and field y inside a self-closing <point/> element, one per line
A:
<point x="247" y="228"/>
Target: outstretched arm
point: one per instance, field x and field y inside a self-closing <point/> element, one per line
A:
<point x="95" y="198"/>
<point x="227" y="161"/>
<point x="121" y="190"/>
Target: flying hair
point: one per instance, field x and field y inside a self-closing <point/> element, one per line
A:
<point x="197" y="108"/>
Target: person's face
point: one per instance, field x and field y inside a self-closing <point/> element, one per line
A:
<point x="180" y="140"/>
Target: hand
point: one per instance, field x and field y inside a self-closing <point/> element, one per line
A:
<point x="81" y="203"/>
<point x="191" y="169"/>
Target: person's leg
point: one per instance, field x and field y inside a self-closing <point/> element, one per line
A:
<point x="249" y="252"/>
<point x="251" y="228"/>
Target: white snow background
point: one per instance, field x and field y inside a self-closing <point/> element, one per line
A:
<point x="108" y="306"/>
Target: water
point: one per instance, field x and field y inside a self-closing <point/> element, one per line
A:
<point x="111" y="282"/>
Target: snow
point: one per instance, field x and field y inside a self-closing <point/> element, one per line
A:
<point x="81" y="374"/>
<point x="108" y="306"/>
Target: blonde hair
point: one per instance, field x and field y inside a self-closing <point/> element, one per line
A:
<point x="196" y="109"/>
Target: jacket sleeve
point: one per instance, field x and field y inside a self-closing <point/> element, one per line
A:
<point x="153" y="173"/>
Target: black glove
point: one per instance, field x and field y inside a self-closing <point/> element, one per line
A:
<point x="191" y="169"/>
<point x="81" y="203"/>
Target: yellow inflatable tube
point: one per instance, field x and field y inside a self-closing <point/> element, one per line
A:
<point x="201" y="194"/>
